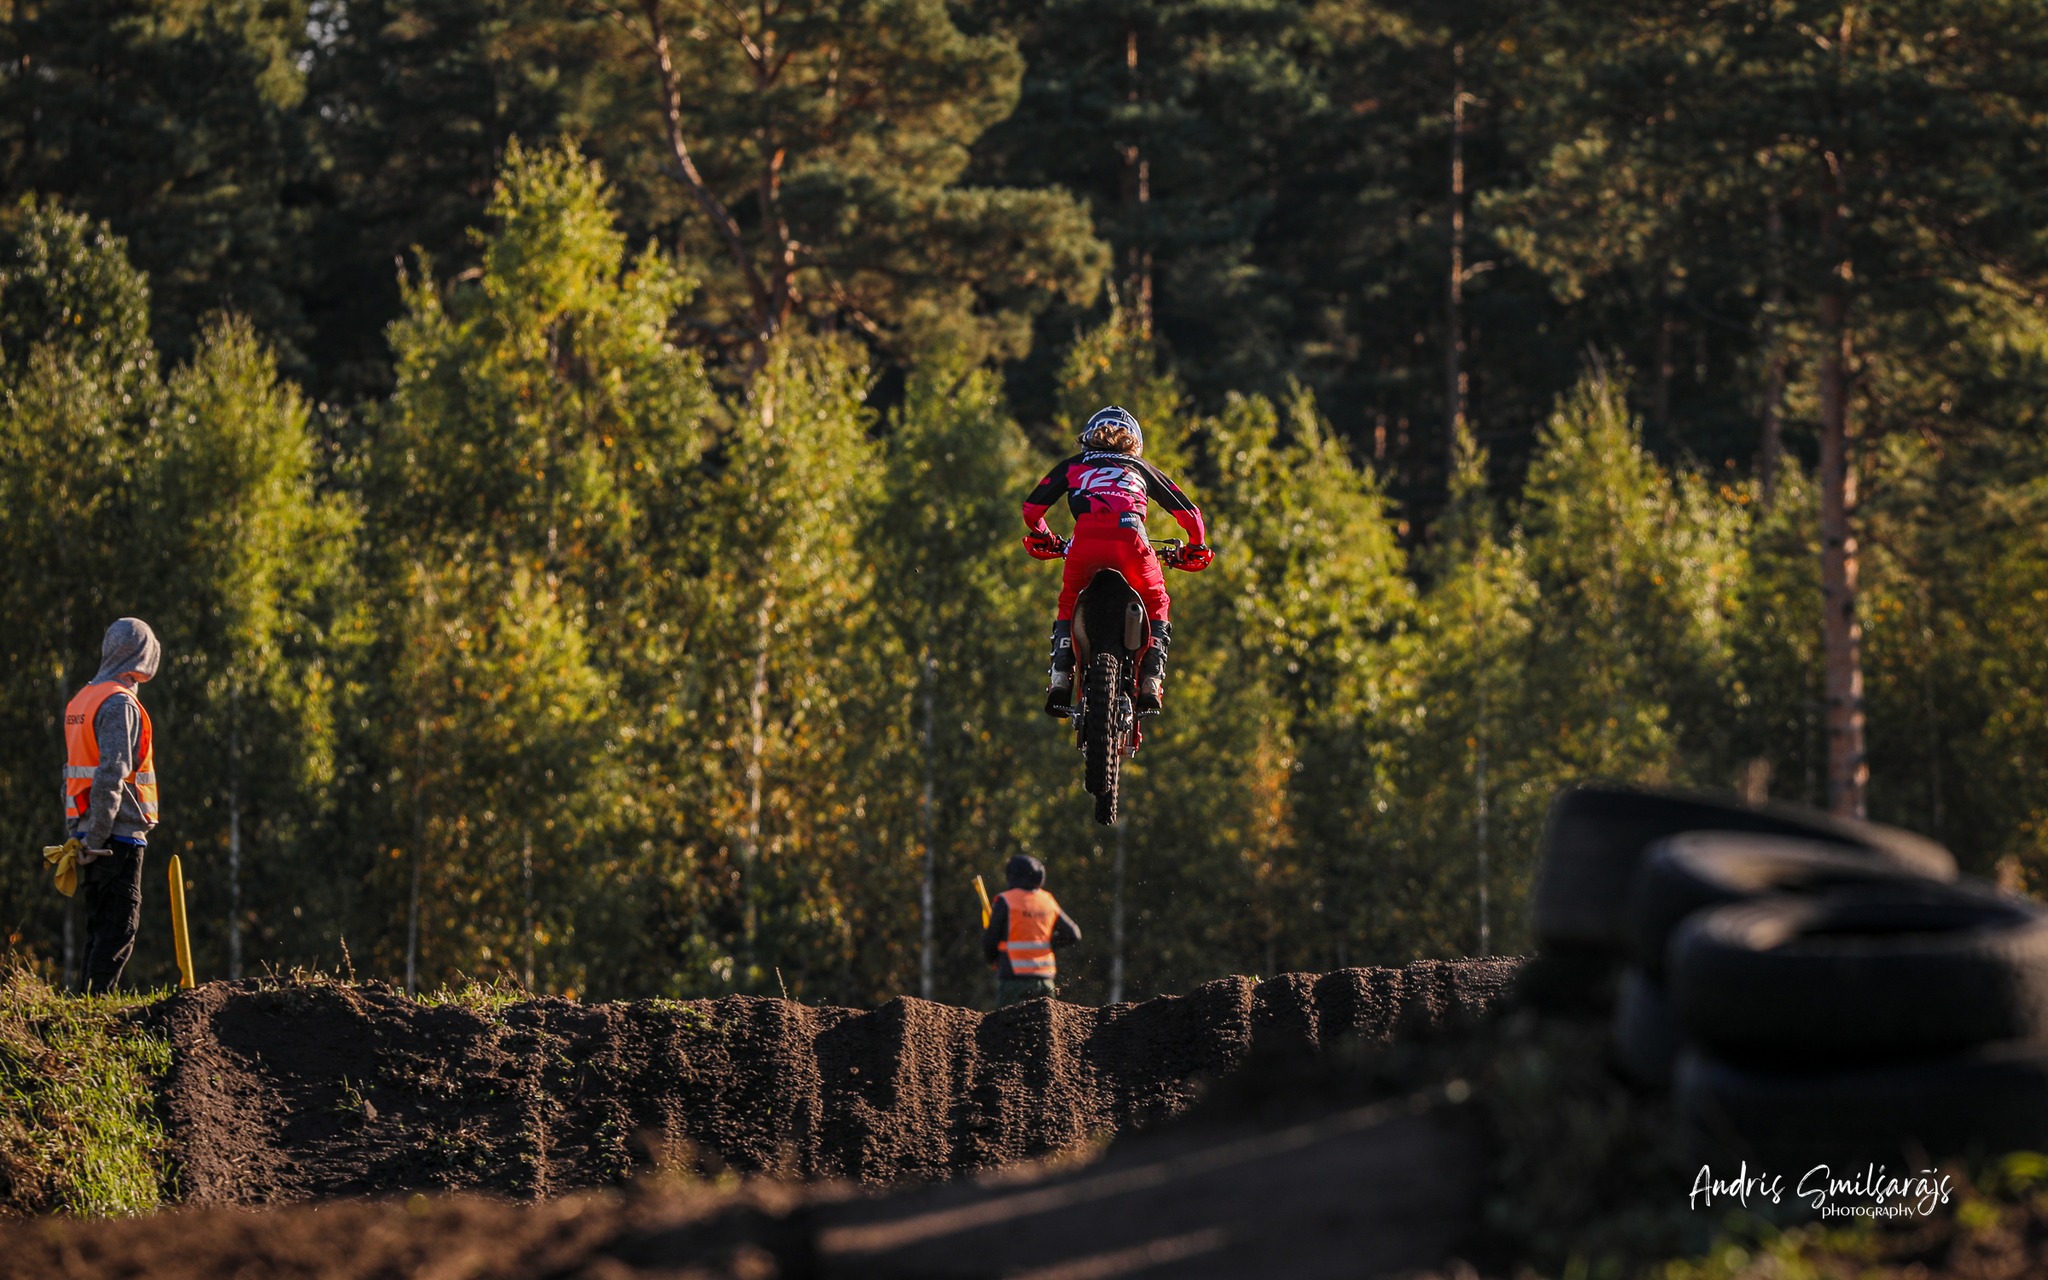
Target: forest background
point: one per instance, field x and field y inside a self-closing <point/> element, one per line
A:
<point x="571" y="457"/>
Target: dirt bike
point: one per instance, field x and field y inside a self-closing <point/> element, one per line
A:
<point x="1111" y="634"/>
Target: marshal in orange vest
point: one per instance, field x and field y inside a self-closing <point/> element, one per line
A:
<point x="1033" y="913"/>
<point x="82" y="752"/>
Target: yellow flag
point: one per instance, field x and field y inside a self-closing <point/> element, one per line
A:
<point x="64" y="857"/>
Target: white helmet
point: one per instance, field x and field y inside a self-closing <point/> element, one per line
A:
<point x="1111" y="416"/>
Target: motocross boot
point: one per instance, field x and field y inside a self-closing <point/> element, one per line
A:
<point x="1152" y="672"/>
<point x="1059" y="688"/>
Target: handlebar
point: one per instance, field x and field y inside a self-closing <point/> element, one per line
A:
<point x="1171" y="550"/>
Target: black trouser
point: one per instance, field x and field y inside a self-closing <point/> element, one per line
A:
<point x="112" y="888"/>
<point x="1011" y="991"/>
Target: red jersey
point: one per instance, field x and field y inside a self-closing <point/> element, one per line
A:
<point x="1108" y="490"/>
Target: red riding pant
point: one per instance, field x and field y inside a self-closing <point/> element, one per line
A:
<point x="1124" y="550"/>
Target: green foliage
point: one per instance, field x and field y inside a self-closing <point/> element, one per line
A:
<point x="968" y="635"/>
<point x="847" y="127"/>
<point x="542" y="414"/>
<point x="1590" y="639"/>
<point x="78" y="1084"/>
<point x="191" y="115"/>
<point x="1219" y="104"/>
<point x="592" y="664"/>
<point x="193" y="504"/>
<point x="541" y="427"/>
<point x="1636" y="568"/>
<point x="1282" y="656"/>
<point x="69" y="289"/>
<point x="78" y="396"/>
<point x="254" y="599"/>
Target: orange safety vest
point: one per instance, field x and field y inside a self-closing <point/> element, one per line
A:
<point x="82" y="752"/>
<point x="1033" y="913"/>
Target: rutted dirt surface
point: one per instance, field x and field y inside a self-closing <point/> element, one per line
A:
<point x="1382" y="1190"/>
<point x="282" y="1093"/>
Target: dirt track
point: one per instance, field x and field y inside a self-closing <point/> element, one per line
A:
<point x="287" y="1093"/>
<point x="1378" y="1190"/>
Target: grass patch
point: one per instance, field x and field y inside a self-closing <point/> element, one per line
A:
<point x="78" y="1085"/>
<point x="688" y="1012"/>
<point x="487" y="1000"/>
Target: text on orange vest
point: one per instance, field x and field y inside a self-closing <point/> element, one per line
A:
<point x="82" y="752"/>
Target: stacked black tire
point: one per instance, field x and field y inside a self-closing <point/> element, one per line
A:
<point x="1812" y="989"/>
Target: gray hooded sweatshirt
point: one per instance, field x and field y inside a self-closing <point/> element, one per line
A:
<point x="129" y="654"/>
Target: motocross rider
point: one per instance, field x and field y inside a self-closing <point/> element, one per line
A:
<point x="1107" y="485"/>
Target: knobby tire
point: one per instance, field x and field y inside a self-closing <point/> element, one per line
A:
<point x="1099" y="745"/>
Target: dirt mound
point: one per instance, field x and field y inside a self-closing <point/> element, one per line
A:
<point x="284" y="1092"/>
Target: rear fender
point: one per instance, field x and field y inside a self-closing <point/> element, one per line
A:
<point x="1108" y="617"/>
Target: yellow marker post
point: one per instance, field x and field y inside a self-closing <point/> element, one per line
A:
<point x="982" y="893"/>
<point x="180" y="939"/>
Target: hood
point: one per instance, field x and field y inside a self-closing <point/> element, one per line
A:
<point x="130" y="646"/>
<point x="1024" y="872"/>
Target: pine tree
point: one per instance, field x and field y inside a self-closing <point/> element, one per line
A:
<point x="412" y="104"/>
<point x="817" y="150"/>
<point x="177" y="124"/>
<point x="1884" y="150"/>
<point x="1181" y="124"/>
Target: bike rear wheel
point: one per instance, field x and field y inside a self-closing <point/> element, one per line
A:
<point x="1098" y="734"/>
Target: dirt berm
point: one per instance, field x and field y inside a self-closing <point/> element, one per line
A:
<point x="282" y="1092"/>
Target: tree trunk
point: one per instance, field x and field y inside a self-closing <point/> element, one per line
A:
<point x="1481" y="669"/>
<point x="1480" y="815"/>
<point x="1847" y="769"/>
<point x="750" y="845"/>
<point x="1137" y="183"/>
<point x="1116" y="917"/>
<point x="1842" y="633"/>
<point x="927" y="822"/>
<point x="1454" y="334"/>
<point x="764" y="319"/>
<point x="70" y="976"/>
<point x="1660" y="408"/>
<point x="526" y="878"/>
<point x="419" y="839"/>
<point x="1931" y="706"/>
<point x="234" y="844"/>
<point x="1772" y="444"/>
